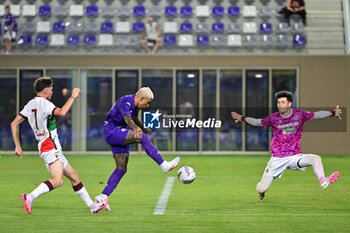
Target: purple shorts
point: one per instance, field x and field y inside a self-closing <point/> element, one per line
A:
<point x="115" y="137"/>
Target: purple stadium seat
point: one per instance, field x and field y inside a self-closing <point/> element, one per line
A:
<point x="169" y="40"/>
<point x="59" y="27"/>
<point x="202" y="40"/>
<point x="218" y="28"/>
<point x="218" y="11"/>
<point x="25" y="40"/>
<point x="138" y="27"/>
<point x="186" y="27"/>
<point x="139" y="11"/>
<point x="170" y="11"/>
<point x="107" y="27"/>
<point x="233" y="11"/>
<point x="45" y="11"/>
<point x="73" y="40"/>
<point x="41" y="40"/>
<point x="265" y="28"/>
<point x="90" y="40"/>
<point x="92" y="11"/>
<point x="299" y="41"/>
<point x="186" y="11"/>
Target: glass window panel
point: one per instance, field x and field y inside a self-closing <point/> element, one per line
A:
<point x="8" y="92"/>
<point x="187" y="104"/>
<point x="284" y="80"/>
<point x="126" y="84"/>
<point x="230" y="100"/>
<point x="161" y="83"/>
<point x="98" y="104"/>
<point x="27" y="78"/>
<point x="62" y="90"/>
<point x="257" y="107"/>
<point x="209" y="109"/>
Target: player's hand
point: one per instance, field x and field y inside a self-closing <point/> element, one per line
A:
<point x="147" y="131"/>
<point x="75" y="93"/>
<point x="337" y="112"/>
<point x="138" y="132"/>
<point x="19" y="152"/>
<point x="236" y="117"/>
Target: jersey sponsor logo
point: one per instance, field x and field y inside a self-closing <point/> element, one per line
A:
<point x="288" y="125"/>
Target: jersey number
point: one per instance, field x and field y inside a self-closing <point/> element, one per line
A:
<point x="36" y="121"/>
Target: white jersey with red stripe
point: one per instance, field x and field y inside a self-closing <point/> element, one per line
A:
<point x="39" y="112"/>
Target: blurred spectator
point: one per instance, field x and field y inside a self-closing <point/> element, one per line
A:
<point x="294" y="7"/>
<point x="9" y="30"/>
<point x="151" y="35"/>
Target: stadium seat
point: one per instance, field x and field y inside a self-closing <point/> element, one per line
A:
<point x="91" y="11"/>
<point x="2" y="10"/>
<point x="234" y="40"/>
<point x="15" y="10"/>
<point x="202" y="11"/>
<point x="249" y="11"/>
<point x="138" y="27"/>
<point x="60" y="11"/>
<point x="297" y="28"/>
<point x="170" y="27"/>
<point x="43" y="27"/>
<point x="250" y="42"/>
<point x="122" y="27"/>
<point x="265" y="12"/>
<point x="186" y="11"/>
<point x="91" y="27"/>
<point x="123" y="11"/>
<point x="139" y="11"/>
<point x="169" y="40"/>
<point x="29" y="11"/>
<point x="135" y="42"/>
<point x="299" y="41"/>
<point x="218" y="11"/>
<point x="73" y="41"/>
<point x="186" y="27"/>
<point x="45" y="11"/>
<point x="74" y="27"/>
<point x="218" y="28"/>
<point x="282" y="42"/>
<point x="233" y="11"/>
<point x="281" y="2"/>
<point x="249" y="28"/>
<point x="57" y="40"/>
<point x="217" y="41"/>
<point x="202" y="28"/>
<point x="107" y="27"/>
<point x="27" y="27"/>
<point x="105" y="40"/>
<point x="59" y="27"/>
<point x="90" y="40"/>
<point x="76" y="11"/>
<point x="25" y="42"/>
<point x="107" y="11"/>
<point x="282" y="28"/>
<point x="121" y="41"/>
<point x="266" y="42"/>
<point x="0" y="29"/>
<point x="265" y="28"/>
<point x="234" y="28"/>
<point x="186" y="40"/>
<point x="41" y="40"/>
<point x="265" y="2"/>
<point x="249" y="2"/>
<point x="155" y="11"/>
<point x="202" y="40"/>
<point x="170" y="11"/>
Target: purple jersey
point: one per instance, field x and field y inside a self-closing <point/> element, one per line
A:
<point x="8" y="20"/>
<point x="287" y="132"/>
<point x="124" y="105"/>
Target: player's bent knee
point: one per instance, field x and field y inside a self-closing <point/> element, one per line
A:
<point x="57" y="183"/>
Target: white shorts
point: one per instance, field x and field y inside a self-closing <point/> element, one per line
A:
<point x="277" y="166"/>
<point x="8" y="36"/>
<point x="50" y="157"/>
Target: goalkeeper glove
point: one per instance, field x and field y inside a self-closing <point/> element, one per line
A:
<point x="337" y="112"/>
<point x="237" y="117"/>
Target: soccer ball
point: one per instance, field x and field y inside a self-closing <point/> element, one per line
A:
<point x="186" y="175"/>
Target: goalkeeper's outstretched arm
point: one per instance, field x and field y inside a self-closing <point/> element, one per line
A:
<point x="250" y="120"/>
<point x="324" y="114"/>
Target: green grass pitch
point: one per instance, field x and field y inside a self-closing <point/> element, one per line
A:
<point x="221" y="199"/>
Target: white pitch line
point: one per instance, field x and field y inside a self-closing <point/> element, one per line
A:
<point x="163" y="199"/>
<point x="252" y="214"/>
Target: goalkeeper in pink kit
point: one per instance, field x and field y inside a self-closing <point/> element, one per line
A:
<point x="287" y="126"/>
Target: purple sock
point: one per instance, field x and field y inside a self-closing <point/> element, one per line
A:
<point x="113" y="181"/>
<point x="151" y="150"/>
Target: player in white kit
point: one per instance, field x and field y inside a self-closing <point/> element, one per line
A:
<point x="40" y="113"/>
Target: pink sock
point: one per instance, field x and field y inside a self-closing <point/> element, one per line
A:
<point x="321" y="178"/>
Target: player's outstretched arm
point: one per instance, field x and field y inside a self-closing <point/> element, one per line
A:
<point x="14" y="128"/>
<point x="139" y="124"/>
<point x="250" y="120"/>
<point x="324" y="114"/>
<point x="67" y="106"/>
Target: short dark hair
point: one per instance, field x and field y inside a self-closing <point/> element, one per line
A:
<point x="286" y="94"/>
<point x="8" y="6"/>
<point x="42" y="83"/>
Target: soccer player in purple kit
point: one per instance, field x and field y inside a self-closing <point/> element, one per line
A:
<point x="287" y="126"/>
<point x="9" y="29"/>
<point x="122" y="116"/>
